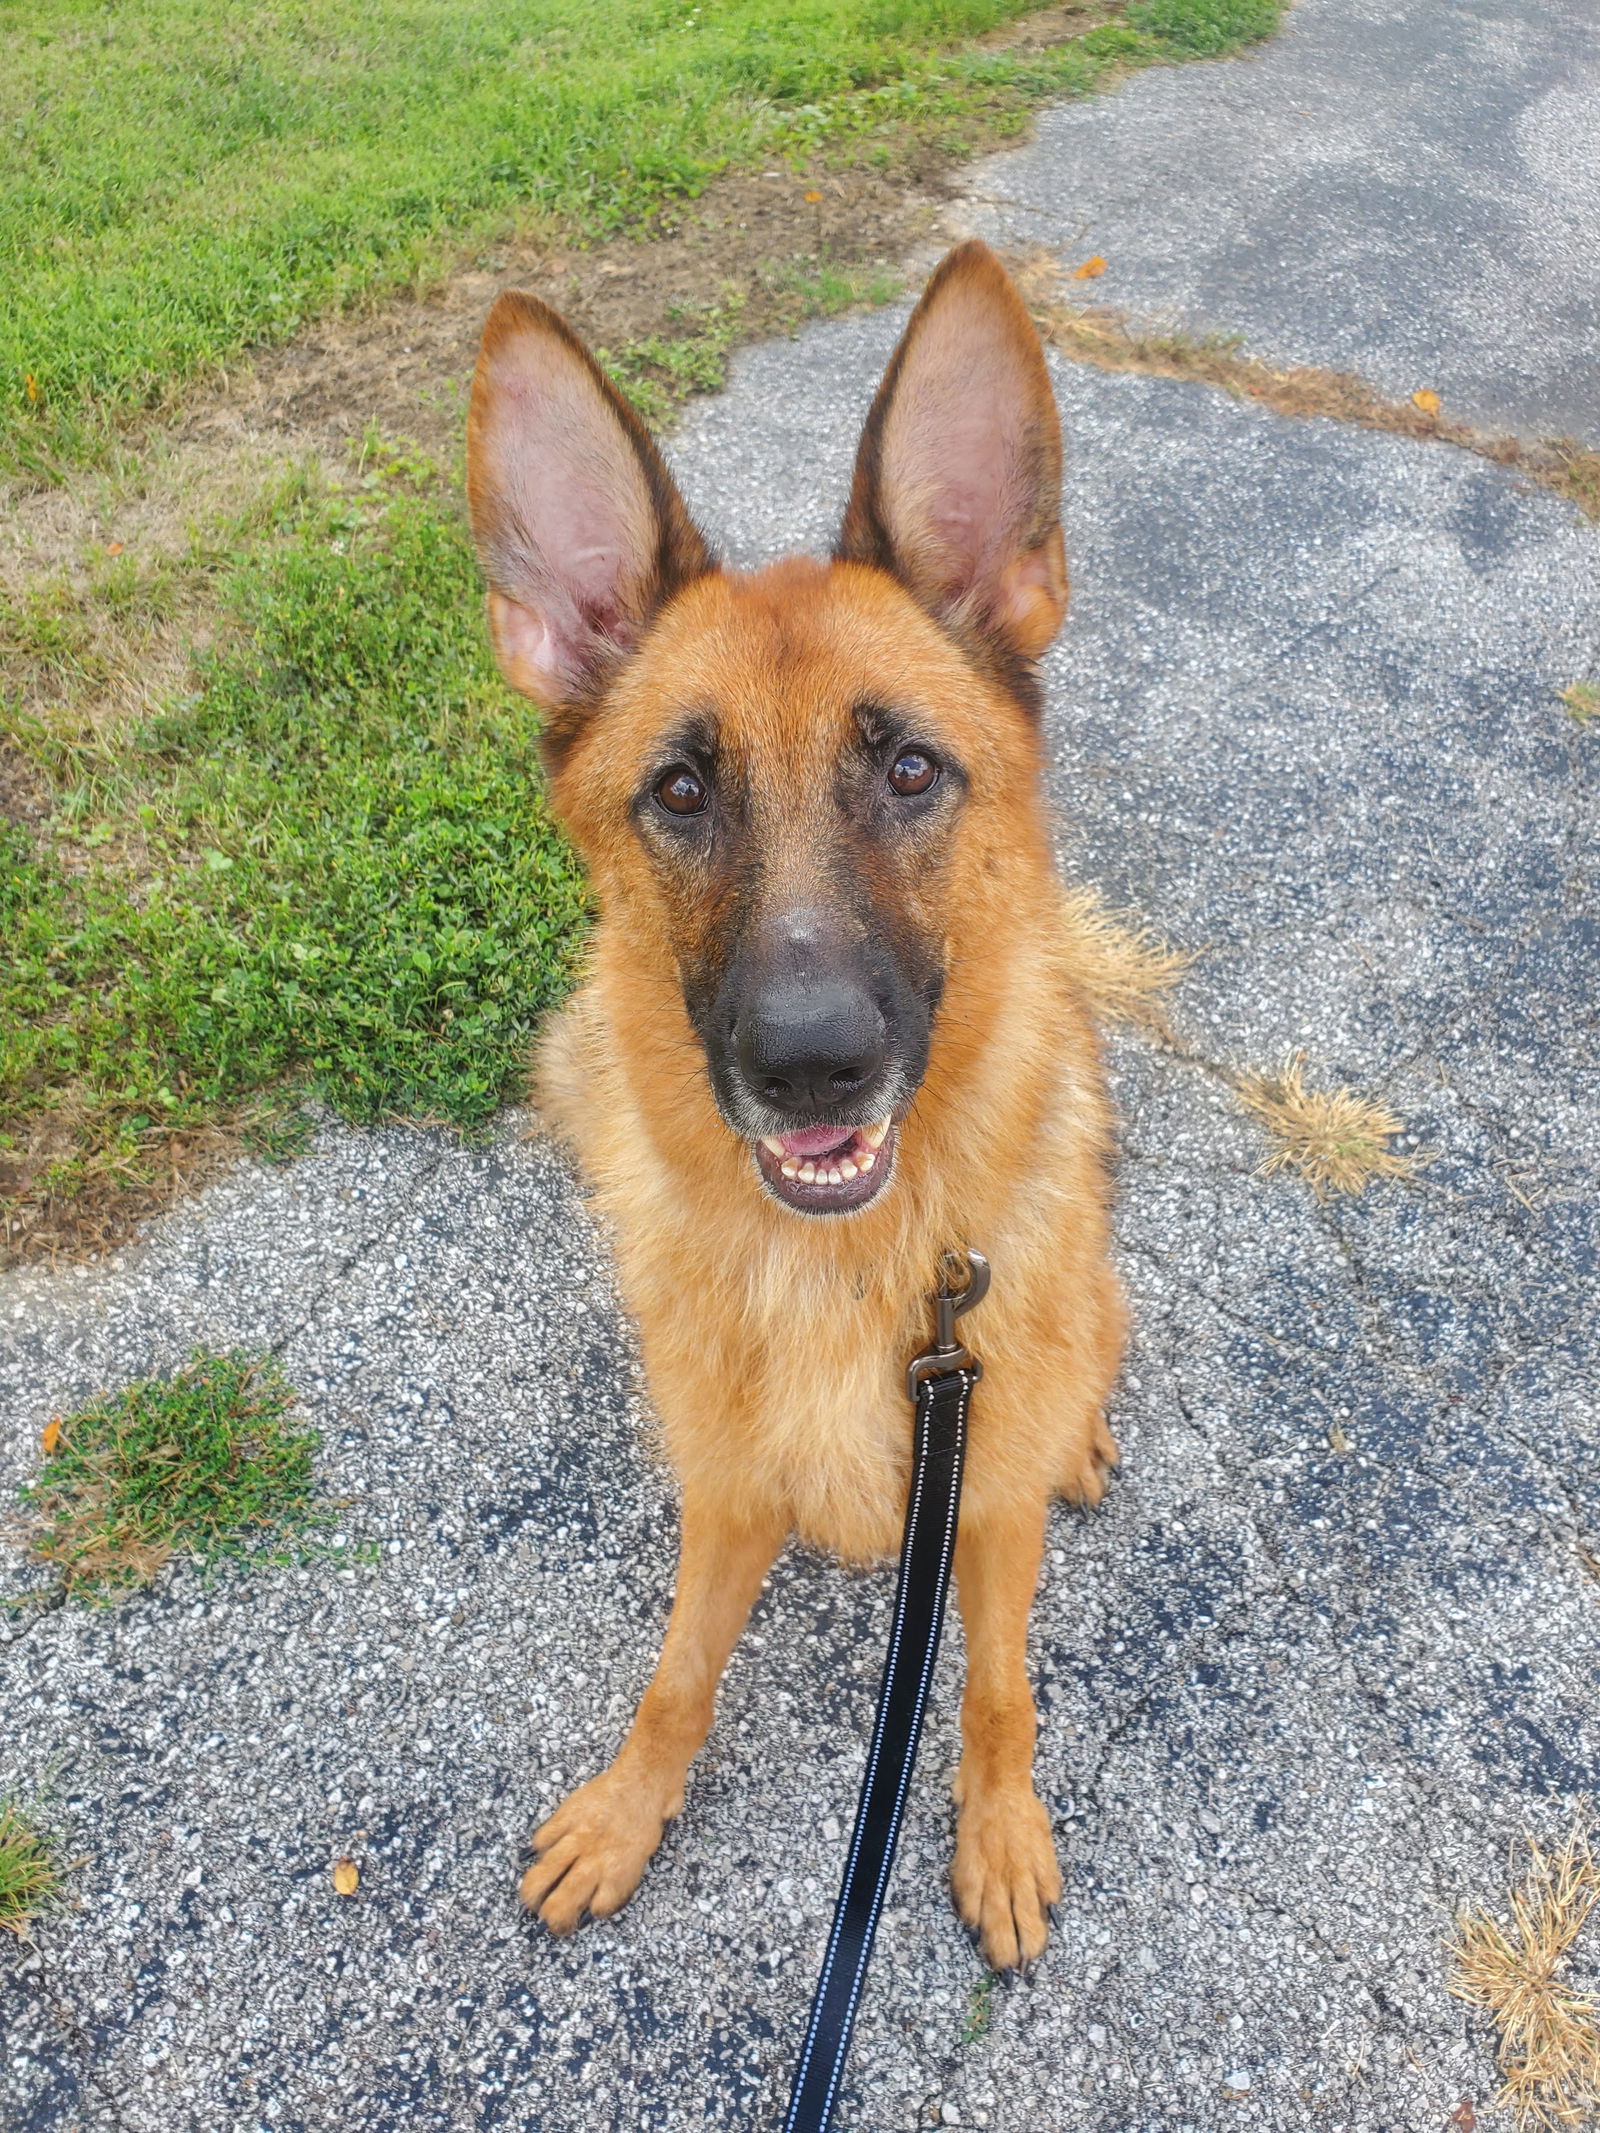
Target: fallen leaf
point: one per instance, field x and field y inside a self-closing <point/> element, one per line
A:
<point x="1465" y="2116"/>
<point x="813" y="198"/>
<point x="1091" y="270"/>
<point x="52" y="1433"/>
<point x="32" y="385"/>
<point x="1427" y="400"/>
<point x="346" y="1878"/>
<point x="113" y="548"/>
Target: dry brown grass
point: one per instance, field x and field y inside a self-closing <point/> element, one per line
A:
<point x="1335" y="1139"/>
<point x="1583" y="703"/>
<point x="1125" y="966"/>
<point x="1111" y="340"/>
<point x="1549" y="2049"/>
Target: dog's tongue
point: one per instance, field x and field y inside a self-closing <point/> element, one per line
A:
<point x="817" y="1140"/>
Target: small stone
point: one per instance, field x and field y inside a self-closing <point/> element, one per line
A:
<point x="830" y="1829"/>
<point x="1238" y="2080"/>
<point x="950" y="2114"/>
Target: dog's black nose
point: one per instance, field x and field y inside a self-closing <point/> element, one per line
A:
<point x="806" y="1047"/>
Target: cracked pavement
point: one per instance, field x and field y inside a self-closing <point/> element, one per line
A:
<point x="1297" y="1702"/>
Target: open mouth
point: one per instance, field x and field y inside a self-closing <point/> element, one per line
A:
<point x="827" y="1170"/>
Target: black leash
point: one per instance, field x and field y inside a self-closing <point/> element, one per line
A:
<point x="940" y="1384"/>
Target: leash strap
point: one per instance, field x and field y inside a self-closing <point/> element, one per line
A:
<point x="939" y="1448"/>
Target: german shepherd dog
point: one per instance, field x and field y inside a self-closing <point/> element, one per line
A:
<point x="834" y="1020"/>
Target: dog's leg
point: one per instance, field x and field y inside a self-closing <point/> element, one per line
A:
<point x="1005" y="1875"/>
<point x="592" y="1851"/>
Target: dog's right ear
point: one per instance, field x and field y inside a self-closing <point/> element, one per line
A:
<point x="581" y="533"/>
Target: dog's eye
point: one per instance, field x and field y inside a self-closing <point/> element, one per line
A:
<point x="913" y="773"/>
<point x="681" y="792"/>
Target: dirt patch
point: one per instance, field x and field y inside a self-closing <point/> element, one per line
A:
<point x="100" y="1205"/>
<point x="1051" y="25"/>
<point x="1112" y="340"/>
<point x="749" y="241"/>
<point x="24" y="797"/>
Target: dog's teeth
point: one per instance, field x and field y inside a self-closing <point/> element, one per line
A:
<point x="835" y="1177"/>
<point x="866" y="1159"/>
<point x="847" y="1169"/>
<point x="808" y="1173"/>
<point x="791" y="1169"/>
<point x="876" y="1134"/>
<point x="773" y="1145"/>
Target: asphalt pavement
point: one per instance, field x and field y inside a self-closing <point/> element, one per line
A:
<point x="1330" y="1646"/>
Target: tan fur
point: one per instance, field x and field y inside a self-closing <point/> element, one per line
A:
<point x="775" y="1343"/>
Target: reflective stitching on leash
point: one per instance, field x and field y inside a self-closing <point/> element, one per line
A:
<point x="896" y="1634"/>
<point x="918" y="1709"/>
<point x="947" y="1368"/>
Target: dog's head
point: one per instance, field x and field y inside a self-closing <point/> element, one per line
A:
<point x="802" y="789"/>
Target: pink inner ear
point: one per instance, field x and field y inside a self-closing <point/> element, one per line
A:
<point x="960" y="463"/>
<point x="531" y="656"/>
<point x="563" y="516"/>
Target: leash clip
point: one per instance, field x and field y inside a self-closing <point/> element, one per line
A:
<point x="947" y="1353"/>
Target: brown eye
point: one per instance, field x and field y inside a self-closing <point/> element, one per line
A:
<point x="912" y="773"/>
<point x="681" y="792"/>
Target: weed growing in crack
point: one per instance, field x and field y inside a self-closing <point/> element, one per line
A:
<point x="979" y="2018"/>
<point x="1583" y="703"/>
<point x="1549" y="2031"/>
<point x="1336" y="1140"/>
<point x="206" y="1464"/>
<point x="29" y="1879"/>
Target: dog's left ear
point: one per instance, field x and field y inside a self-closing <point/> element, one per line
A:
<point x="957" y="488"/>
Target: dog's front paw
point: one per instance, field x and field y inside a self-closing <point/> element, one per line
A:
<point x="590" y="1854"/>
<point x="1005" y="1876"/>
<point x="1091" y="1468"/>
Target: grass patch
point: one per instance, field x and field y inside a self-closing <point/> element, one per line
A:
<point x="205" y="1463"/>
<point x="330" y="867"/>
<point x="1334" y="1139"/>
<point x="1549" y="2032"/>
<point x="181" y="183"/>
<point x="29" y="1880"/>
<point x="1583" y="703"/>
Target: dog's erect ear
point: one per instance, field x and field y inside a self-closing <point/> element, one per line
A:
<point x="957" y="486"/>
<point x="580" y="530"/>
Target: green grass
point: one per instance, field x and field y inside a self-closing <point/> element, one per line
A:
<point x="205" y="1463"/>
<point x="1583" y="703"/>
<point x="182" y="180"/>
<point x="979" y="2017"/>
<point x="28" y="1877"/>
<point x="330" y="866"/>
